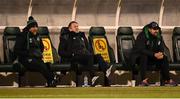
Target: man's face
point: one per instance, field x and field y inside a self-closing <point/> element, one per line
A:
<point x="74" y="27"/>
<point x="154" y="32"/>
<point x="34" y="30"/>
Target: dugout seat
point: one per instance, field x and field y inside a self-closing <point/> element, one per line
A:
<point x="63" y="35"/>
<point x="99" y="44"/>
<point x="10" y="64"/>
<point x="125" y="44"/>
<point x="176" y="49"/>
<point x="57" y="65"/>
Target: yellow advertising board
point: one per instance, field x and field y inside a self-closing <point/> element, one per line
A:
<point x="47" y="53"/>
<point x="100" y="47"/>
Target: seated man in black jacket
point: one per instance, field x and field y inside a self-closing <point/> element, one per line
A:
<point x="74" y="48"/>
<point x="149" y="50"/>
<point x="29" y="49"/>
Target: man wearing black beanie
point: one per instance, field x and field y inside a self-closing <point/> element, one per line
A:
<point x="29" y="49"/>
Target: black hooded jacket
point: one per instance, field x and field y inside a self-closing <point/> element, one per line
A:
<point x="71" y="44"/>
<point x="28" y="46"/>
<point x="146" y="44"/>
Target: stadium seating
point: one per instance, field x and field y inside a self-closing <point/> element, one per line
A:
<point x="125" y="43"/>
<point x="99" y="33"/>
<point x="98" y="40"/>
<point x="57" y="66"/>
<point x="63" y="31"/>
<point x="176" y="42"/>
<point x="99" y="45"/>
<point x="175" y="65"/>
<point x="9" y="65"/>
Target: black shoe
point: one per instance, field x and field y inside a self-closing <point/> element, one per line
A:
<point x="57" y="78"/>
<point x="52" y="84"/>
<point x="144" y="84"/>
<point x="171" y="83"/>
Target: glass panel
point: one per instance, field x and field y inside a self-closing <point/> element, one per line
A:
<point x="52" y="12"/>
<point x="139" y="12"/>
<point x="13" y="12"/>
<point x="171" y="13"/>
<point x="96" y="12"/>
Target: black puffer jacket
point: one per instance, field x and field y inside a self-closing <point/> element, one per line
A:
<point x="28" y="46"/>
<point x="71" y="44"/>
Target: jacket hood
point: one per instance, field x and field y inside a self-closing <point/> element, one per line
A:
<point x="148" y="35"/>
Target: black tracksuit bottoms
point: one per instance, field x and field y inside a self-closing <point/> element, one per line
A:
<point x="146" y="62"/>
<point x="39" y="66"/>
<point x="88" y="60"/>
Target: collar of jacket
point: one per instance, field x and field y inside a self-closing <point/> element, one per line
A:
<point x="32" y="35"/>
<point x="75" y="34"/>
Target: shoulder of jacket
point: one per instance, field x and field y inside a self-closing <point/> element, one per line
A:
<point x="22" y="34"/>
<point x="141" y="34"/>
<point x="65" y="36"/>
<point x="82" y="33"/>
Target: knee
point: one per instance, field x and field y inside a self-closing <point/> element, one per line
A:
<point x="165" y="58"/>
<point x="141" y="58"/>
<point x="144" y="57"/>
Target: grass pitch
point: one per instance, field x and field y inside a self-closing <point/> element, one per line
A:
<point x="92" y="92"/>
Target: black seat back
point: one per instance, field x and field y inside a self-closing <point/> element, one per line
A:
<point x="125" y="43"/>
<point x="100" y="45"/>
<point x="63" y="35"/>
<point x="63" y="32"/>
<point x="43" y="31"/>
<point x="9" y="39"/>
<point x="45" y="34"/>
<point x="176" y="44"/>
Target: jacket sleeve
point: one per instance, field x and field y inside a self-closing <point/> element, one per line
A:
<point x="63" y="47"/>
<point x="86" y="41"/>
<point x="162" y="45"/>
<point x="19" y="46"/>
<point x="140" y="45"/>
<point x="42" y="45"/>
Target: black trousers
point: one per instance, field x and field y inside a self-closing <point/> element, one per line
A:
<point x="87" y="60"/>
<point x="39" y="66"/>
<point x="98" y="59"/>
<point x="162" y="64"/>
<point x="103" y="66"/>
